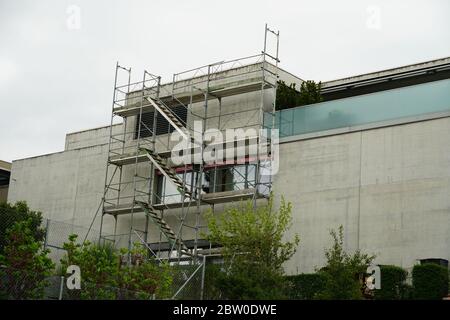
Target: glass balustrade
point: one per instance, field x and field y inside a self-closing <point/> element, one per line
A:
<point x="381" y="106"/>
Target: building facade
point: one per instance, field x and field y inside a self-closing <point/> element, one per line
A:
<point x="374" y="157"/>
<point x="5" y="172"/>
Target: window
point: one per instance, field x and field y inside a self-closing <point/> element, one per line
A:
<point x="217" y="179"/>
<point x="231" y="178"/>
<point x="162" y="125"/>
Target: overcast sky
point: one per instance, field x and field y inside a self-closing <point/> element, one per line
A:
<point x="57" y="66"/>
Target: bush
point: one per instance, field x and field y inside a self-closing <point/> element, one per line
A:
<point x="305" y="286"/>
<point x="343" y="271"/>
<point x="289" y="97"/>
<point x="407" y="292"/>
<point x="13" y="213"/>
<point x="392" y="283"/>
<point x="430" y="281"/>
<point x="24" y="263"/>
<point x="105" y="276"/>
<point x="212" y="274"/>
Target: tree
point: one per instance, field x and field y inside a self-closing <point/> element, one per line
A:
<point x="310" y="93"/>
<point x="10" y="214"/>
<point x="105" y="275"/>
<point x="289" y="97"/>
<point x="98" y="265"/>
<point x="305" y="286"/>
<point x="343" y="270"/>
<point x="144" y="278"/>
<point x="25" y="265"/>
<point x="253" y="249"/>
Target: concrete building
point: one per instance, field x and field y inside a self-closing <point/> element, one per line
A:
<point x="5" y="172"/>
<point x="373" y="157"/>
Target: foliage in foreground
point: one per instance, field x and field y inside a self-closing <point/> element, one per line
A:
<point x="306" y="286"/>
<point x="393" y="286"/>
<point x="105" y="274"/>
<point x="12" y="213"/>
<point x="289" y="97"/>
<point x="344" y="271"/>
<point x="430" y="281"/>
<point x="24" y="263"/>
<point x="253" y="250"/>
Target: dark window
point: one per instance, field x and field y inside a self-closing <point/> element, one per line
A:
<point x="4" y="177"/>
<point x="162" y="125"/>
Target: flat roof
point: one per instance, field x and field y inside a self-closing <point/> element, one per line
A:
<point x="403" y="71"/>
<point x="234" y="67"/>
<point x="5" y="166"/>
<point x="93" y="129"/>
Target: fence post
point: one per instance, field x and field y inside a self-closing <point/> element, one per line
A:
<point x="47" y="224"/>
<point x="186" y="282"/>
<point x="61" y="288"/>
<point x="202" y="288"/>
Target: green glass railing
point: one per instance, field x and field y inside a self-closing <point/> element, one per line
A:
<point x="381" y="106"/>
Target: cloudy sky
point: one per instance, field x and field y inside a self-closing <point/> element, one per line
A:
<point x="57" y="58"/>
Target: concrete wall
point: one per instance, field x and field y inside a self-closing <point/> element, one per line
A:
<point x="91" y="137"/>
<point x="66" y="186"/>
<point x="388" y="187"/>
<point x="3" y="193"/>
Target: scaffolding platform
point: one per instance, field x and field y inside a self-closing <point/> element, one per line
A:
<point x="132" y="158"/>
<point x="186" y="98"/>
<point x="201" y="244"/>
<point x="207" y="198"/>
<point x="229" y="196"/>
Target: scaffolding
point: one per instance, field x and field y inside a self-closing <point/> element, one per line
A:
<point x="137" y="150"/>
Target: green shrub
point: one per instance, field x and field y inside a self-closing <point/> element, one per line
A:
<point x="289" y="97"/>
<point x="392" y="283"/>
<point x="24" y="263"/>
<point x="213" y="273"/>
<point x="430" y="281"/>
<point x="305" y="286"/>
<point x="343" y="271"/>
<point x="104" y="275"/>
<point x="13" y="213"/>
<point x="407" y="292"/>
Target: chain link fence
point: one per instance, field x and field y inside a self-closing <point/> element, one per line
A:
<point x="187" y="277"/>
<point x="16" y="284"/>
<point x="57" y="233"/>
<point x="187" y="282"/>
<point x="19" y="285"/>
